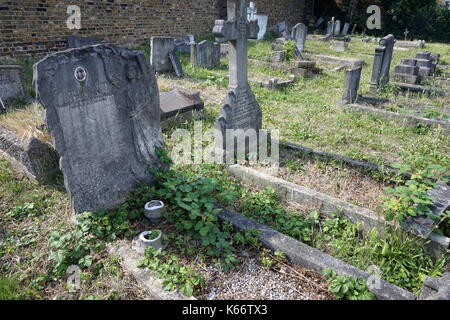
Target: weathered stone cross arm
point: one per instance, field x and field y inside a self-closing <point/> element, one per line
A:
<point x="226" y="30"/>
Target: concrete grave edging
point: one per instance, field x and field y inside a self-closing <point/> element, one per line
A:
<point x="152" y="284"/>
<point x="404" y="118"/>
<point x="327" y="205"/>
<point x="311" y="258"/>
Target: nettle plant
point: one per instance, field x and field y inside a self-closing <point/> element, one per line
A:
<point x="348" y="287"/>
<point x="192" y="204"/>
<point x="412" y="199"/>
<point x="289" y="48"/>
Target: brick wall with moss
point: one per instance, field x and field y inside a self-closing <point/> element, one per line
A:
<point x="38" y="27"/>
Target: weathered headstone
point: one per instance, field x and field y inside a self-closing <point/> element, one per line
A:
<point x="184" y="43"/>
<point x="299" y="33"/>
<point x="160" y="49"/>
<point x="176" y="64"/>
<point x="205" y="54"/>
<point x="241" y="110"/>
<point x="337" y="28"/>
<point x="179" y="105"/>
<point x="339" y="45"/>
<point x="382" y="63"/>
<point x="330" y="28"/>
<point x="75" y="42"/>
<point x="102" y="110"/>
<point x="10" y="83"/>
<point x="345" y="29"/>
<point x="352" y="78"/>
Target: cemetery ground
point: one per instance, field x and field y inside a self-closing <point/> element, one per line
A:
<point x="38" y="241"/>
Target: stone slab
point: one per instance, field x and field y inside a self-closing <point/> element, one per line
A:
<point x="176" y="64"/>
<point x="102" y="110"/>
<point x="352" y="63"/>
<point x="179" y="104"/>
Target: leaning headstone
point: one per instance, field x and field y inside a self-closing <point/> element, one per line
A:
<point x="102" y="110"/>
<point x="382" y="63"/>
<point x="352" y="79"/>
<point x="299" y="33"/>
<point x="345" y="29"/>
<point x="75" y="42"/>
<point x="184" y="43"/>
<point x="179" y="105"/>
<point x="176" y="64"/>
<point x="10" y="83"/>
<point x="337" y="28"/>
<point x="159" y="57"/>
<point x="241" y="110"/>
<point x="205" y="54"/>
<point x="354" y="28"/>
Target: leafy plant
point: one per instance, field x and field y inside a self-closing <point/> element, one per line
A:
<point x="289" y="48"/>
<point x="25" y="210"/>
<point x="167" y="266"/>
<point x="348" y="287"/>
<point x="412" y="198"/>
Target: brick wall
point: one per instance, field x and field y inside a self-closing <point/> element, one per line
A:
<point x="38" y="27"/>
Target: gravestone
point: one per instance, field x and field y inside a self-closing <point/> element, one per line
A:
<point x="263" y="20"/>
<point x="330" y="28"/>
<point x="10" y="83"/>
<point x="241" y="110"/>
<point x="352" y="79"/>
<point x="339" y="45"/>
<point x="345" y="29"/>
<point x="299" y="33"/>
<point x="179" y="105"/>
<point x="159" y="57"/>
<point x="337" y="28"/>
<point x="184" y="43"/>
<point x="408" y="72"/>
<point x="102" y="110"/>
<point x="176" y="64"/>
<point x="75" y="42"/>
<point x="205" y="54"/>
<point x="382" y="63"/>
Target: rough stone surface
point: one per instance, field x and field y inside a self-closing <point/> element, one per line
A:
<point x="179" y="104"/>
<point x="37" y="159"/>
<point x="159" y="57"/>
<point x="436" y="288"/>
<point x="102" y="110"/>
<point x="205" y="54"/>
<point x="75" y="42"/>
<point x="10" y="82"/>
<point x="407" y="78"/>
<point x="311" y="258"/>
<point x="278" y="56"/>
<point x="351" y="85"/>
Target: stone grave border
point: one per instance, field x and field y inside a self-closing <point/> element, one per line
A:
<point x="341" y="61"/>
<point x="327" y="204"/>
<point x="292" y="68"/>
<point x="404" y="119"/>
<point x="421" y="89"/>
<point x="37" y="159"/>
<point x="309" y="257"/>
<point x="152" y="284"/>
<point x="275" y="83"/>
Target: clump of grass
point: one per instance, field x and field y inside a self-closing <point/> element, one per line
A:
<point x="26" y="123"/>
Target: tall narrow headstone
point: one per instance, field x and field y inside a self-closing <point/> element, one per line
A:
<point x="382" y="63"/>
<point x="103" y="113"/>
<point x="345" y="29"/>
<point x="241" y="110"/>
<point x="263" y="20"/>
<point x="159" y="56"/>
<point x="352" y="78"/>
<point x="337" y="28"/>
<point x="299" y="33"/>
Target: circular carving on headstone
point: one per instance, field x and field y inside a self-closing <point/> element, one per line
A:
<point x="80" y="74"/>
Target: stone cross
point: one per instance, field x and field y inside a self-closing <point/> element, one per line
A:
<point x="236" y="30"/>
<point x="406" y="34"/>
<point x="240" y="110"/>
